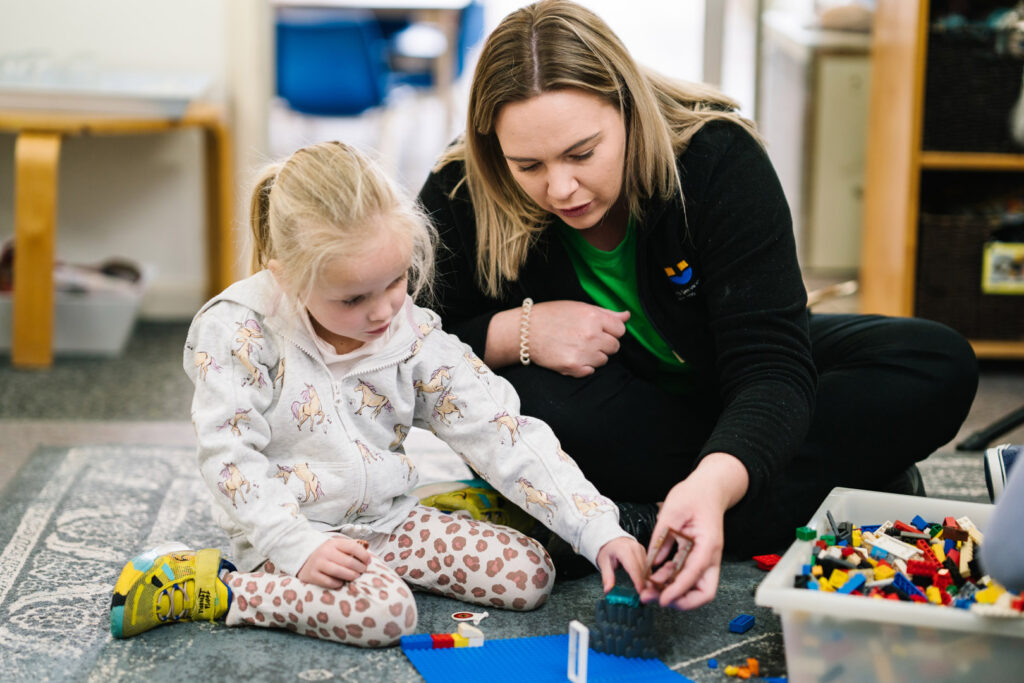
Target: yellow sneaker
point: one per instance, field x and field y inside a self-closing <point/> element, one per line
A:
<point x="167" y="584"/>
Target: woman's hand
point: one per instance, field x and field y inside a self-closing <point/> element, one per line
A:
<point x="695" y="508"/>
<point x="574" y="338"/>
<point x="622" y="552"/>
<point x="337" y="561"/>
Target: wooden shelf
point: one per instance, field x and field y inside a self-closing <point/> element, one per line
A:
<point x="895" y="163"/>
<point x="971" y="161"/>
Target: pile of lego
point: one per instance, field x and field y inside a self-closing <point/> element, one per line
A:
<point x="922" y="561"/>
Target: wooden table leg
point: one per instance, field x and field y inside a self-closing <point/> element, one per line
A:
<point x="36" y="157"/>
<point x="220" y="243"/>
<point x="444" y="65"/>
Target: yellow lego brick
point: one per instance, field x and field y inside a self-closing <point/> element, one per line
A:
<point x="838" y="578"/>
<point x="933" y="595"/>
<point x="459" y="640"/>
<point x="989" y="595"/>
<point x="882" y="572"/>
<point x="856" y="538"/>
<point x="939" y="552"/>
<point x="731" y="670"/>
<point x="826" y="586"/>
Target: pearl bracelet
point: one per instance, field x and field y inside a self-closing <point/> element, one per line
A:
<point x="524" y="332"/>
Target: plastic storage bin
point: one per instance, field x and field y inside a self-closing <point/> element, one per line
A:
<point x="87" y="324"/>
<point x="848" y="638"/>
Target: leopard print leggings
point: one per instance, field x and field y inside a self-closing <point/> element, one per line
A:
<point x="451" y="555"/>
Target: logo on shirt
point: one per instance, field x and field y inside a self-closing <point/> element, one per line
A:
<point x="682" y="276"/>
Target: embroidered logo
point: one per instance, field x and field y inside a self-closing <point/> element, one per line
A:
<point x="682" y="276"/>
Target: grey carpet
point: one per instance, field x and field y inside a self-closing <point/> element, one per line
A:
<point x="72" y="517"/>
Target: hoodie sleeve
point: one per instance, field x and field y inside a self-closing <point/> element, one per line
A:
<point x="477" y="415"/>
<point x="229" y="359"/>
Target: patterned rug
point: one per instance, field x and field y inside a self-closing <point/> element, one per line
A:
<point x="72" y="517"/>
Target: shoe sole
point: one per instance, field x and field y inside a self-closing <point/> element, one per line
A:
<point x="136" y="568"/>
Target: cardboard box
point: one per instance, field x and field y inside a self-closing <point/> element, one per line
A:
<point x="836" y="637"/>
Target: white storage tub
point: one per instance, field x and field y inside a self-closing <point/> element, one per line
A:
<point x="835" y="637"/>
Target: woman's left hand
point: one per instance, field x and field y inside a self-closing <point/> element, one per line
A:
<point x="622" y="552"/>
<point x="695" y="509"/>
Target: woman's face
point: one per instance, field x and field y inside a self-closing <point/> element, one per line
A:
<point x="566" y="149"/>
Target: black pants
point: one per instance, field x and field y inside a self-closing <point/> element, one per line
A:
<point x="890" y="392"/>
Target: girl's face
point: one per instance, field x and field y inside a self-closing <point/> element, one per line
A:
<point x="566" y="149"/>
<point x="358" y="295"/>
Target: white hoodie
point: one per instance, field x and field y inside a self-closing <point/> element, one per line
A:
<point x="290" y="452"/>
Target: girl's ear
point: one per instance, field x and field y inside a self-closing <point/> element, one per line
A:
<point x="274" y="266"/>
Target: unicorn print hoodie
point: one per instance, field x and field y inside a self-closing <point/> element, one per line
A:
<point x="291" y="453"/>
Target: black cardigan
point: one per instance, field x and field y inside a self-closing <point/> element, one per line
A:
<point x="738" y="317"/>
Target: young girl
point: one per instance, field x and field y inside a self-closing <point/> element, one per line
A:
<point x="308" y="376"/>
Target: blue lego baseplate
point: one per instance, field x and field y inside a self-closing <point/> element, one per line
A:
<point x="538" y="659"/>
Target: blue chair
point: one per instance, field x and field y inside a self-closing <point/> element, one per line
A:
<point x="330" y="62"/>
<point x="412" y="66"/>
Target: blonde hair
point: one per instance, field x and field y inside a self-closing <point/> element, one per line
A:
<point x="552" y="45"/>
<point x="321" y="203"/>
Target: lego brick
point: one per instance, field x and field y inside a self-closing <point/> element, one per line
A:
<point x="418" y="641"/>
<point x="442" y="640"/>
<point x="741" y="623"/>
<point x="852" y="584"/>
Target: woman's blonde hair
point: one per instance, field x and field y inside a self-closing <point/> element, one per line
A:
<point x="322" y="203"/>
<point x="552" y="45"/>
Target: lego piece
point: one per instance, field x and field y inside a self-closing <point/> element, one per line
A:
<point x="766" y="562"/>
<point x="417" y="641"/>
<point x="743" y="672"/>
<point x="459" y="640"/>
<point x="837" y="578"/>
<point x="475" y="617"/>
<point x="712" y="663"/>
<point x="973" y="532"/>
<point x="683" y="545"/>
<point x="472" y="634"/>
<point x="622" y="625"/>
<point x="806" y="533"/>
<point x="442" y="640"/>
<point x="919" y="522"/>
<point x="579" y="637"/>
<point x="852" y="584"/>
<point x="731" y="670"/>
<point x="741" y="623"/>
<point x="901" y="583"/>
<point x="540" y="659"/>
<point x="754" y="666"/>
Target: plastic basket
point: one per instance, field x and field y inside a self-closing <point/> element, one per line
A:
<point x="949" y="269"/>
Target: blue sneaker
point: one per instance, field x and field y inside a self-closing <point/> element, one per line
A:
<point x="998" y="461"/>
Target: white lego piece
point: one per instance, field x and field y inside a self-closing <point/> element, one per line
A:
<point x="579" y="649"/>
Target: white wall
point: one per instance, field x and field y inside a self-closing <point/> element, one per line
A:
<point x="139" y="197"/>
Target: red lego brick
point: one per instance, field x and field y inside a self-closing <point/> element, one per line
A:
<point x="766" y="562"/>
<point x="903" y="526"/>
<point x="442" y="640"/>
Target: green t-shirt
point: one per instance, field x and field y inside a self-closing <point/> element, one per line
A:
<point x="609" y="278"/>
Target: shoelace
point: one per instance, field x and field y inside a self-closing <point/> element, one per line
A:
<point x="170" y="592"/>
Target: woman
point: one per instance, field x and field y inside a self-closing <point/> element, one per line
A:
<point x="617" y="245"/>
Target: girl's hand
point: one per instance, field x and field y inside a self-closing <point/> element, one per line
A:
<point x="622" y="552"/>
<point x="572" y="337"/>
<point x="337" y="561"/>
<point x="695" y="508"/>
